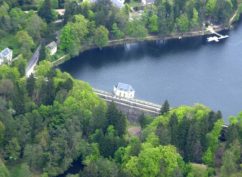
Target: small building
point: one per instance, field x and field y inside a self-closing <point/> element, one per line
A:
<point x="147" y="2"/>
<point x="6" y="56"/>
<point x="124" y="90"/>
<point x="52" y="48"/>
<point x="116" y="3"/>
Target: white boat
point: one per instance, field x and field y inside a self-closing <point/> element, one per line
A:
<point x="213" y="38"/>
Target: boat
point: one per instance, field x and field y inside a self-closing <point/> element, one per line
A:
<point x="213" y="38"/>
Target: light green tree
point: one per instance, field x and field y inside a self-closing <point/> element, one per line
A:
<point x="3" y="170"/>
<point x="101" y="36"/>
<point x="182" y="23"/>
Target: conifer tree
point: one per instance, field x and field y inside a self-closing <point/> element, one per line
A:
<point x="165" y="108"/>
<point x="45" y="11"/>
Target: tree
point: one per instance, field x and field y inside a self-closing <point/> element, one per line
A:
<point x="136" y="29"/>
<point x="116" y="32"/>
<point x="2" y="129"/>
<point x="45" y="11"/>
<point x="195" y="19"/>
<point x="21" y="65"/>
<point x="30" y="85"/>
<point x="102" y="168"/>
<point x="3" y="170"/>
<point x="25" y="42"/>
<point x="13" y="149"/>
<point x="117" y="119"/>
<point x="22" y="170"/>
<point x="173" y="126"/>
<point x="153" y="161"/>
<point x="164" y="134"/>
<point x="182" y="23"/>
<point x="212" y="141"/>
<point x="144" y="120"/>
<point x="35" y="26"/>
<point x="165" y="108"/>
<point x="230" y="160"/>
<point x="80" y="27"/>
<point x="210" y="7"/>
<point x="153" y="24"/>
<point x="101" y="36"/>
<point x="67" y="38"/>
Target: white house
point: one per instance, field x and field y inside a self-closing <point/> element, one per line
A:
<point x="116" y="3"/>
<point x="52" y="47"/>
<point x="6" y="56"/>
<point x="123" y="90"/>
<point x="148" y="2"/>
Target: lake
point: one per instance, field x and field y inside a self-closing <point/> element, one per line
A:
<point x="184" y="72"/>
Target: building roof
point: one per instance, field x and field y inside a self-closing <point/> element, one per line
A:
<point x="147" y="2"/>
<point x="52" y="45"/>
<point x="124" y="87"/>
<point x="116" y="3"/>
<point x="5" y="52"/>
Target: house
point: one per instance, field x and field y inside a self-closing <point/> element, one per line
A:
<point x="6" y="56"/>
<point x="52" y="48"/>
<point x="124" y="90"/>
<point x="148" y="2"/>
<point x="116" y="3"/>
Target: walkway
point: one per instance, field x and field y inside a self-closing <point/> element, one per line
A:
<point x="33" y="61"/>
<point x="132" y="107"/>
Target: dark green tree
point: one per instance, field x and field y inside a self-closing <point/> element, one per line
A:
<point x="144" y="120"/>
<point x="30" y="85"/>
<point x="173" y="126"/>
<point x="164" y="134"/>
<point x="117" y="119"/>
<point x="42" y="53"/>
<point x="165" y="108"/>
<point x="45" y="11"/>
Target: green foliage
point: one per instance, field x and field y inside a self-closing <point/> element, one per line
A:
<point x="21" y="170"/>
<point x="213" y="139"/>
<point x="2" y="129"/>
<point x="145" y="120"/>
<point x="231" y="158"/>
<point x="101" y="36"/>
<point x="198" y="170"/>
<point x="117" y="119"/>
<point x="136" y="29"/>
<point x="102" y="167"/>
<point x="153" y="23"/>
<point x="73" y="35"/>
<point x="25" y="43"/>
<point x="116" y="32"/>
<point x="45" y="11"/>
<point x="3" y="170"/>
<point x="165" y="108"/>
<point x="182" y="23"/>
<point x="210" y="6"/>
<point x="154" y="161"/>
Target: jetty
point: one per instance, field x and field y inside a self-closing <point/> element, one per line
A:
<point x="217" y="36"/>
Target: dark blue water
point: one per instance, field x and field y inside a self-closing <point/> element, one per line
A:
<point x="184" y="71"/>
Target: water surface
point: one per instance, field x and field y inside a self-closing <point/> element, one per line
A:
<point x="186" y="71"/>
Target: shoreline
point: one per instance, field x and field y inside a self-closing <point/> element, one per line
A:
<point x="130" y="40"/>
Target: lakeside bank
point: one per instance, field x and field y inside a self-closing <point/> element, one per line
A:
<point x="130" y="40"/>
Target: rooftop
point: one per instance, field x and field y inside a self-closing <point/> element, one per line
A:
<point x="124" y="87"/>
<point x="5" y="52"/>
<point x="116" y="3"/>
<point x="52" y="45"/>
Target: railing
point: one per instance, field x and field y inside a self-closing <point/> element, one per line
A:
<point x="134" y="101"/>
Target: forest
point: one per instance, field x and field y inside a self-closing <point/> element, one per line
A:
<point x="50" y="120"/>
<point x="24" y="24"/>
